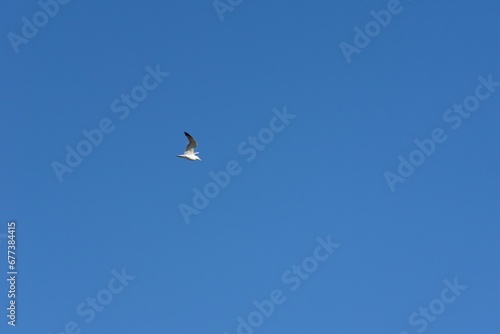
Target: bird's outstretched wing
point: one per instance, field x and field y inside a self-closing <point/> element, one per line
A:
<point x="191" y="143"/>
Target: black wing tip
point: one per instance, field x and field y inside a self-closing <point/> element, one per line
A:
<point x="187" y="134"/>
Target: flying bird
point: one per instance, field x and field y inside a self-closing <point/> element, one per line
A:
<point x="189" y="153"/>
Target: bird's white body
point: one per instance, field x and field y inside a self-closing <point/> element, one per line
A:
<point x="189" y="153"/>
<point x="191" y="157"/>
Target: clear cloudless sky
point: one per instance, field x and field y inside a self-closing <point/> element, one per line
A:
<point x="322" y="175"/>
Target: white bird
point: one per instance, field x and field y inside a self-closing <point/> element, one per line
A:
<point x="189" y="153"/>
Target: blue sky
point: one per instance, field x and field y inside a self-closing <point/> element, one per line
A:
<point x="372" y="208"/>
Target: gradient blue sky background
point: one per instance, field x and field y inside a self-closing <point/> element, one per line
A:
<point x="322" y="175"/>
